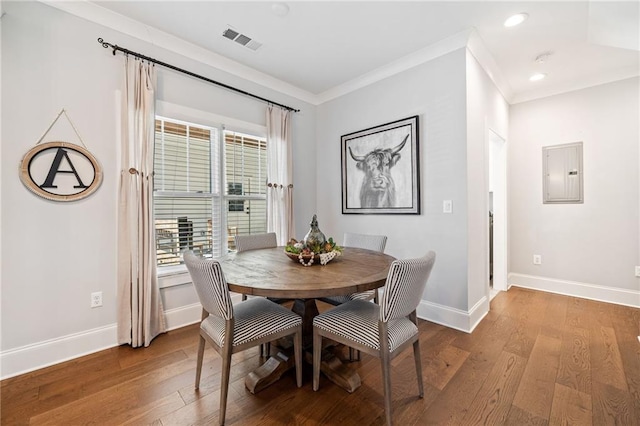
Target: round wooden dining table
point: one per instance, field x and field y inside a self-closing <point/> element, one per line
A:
<point x="271" y="273"/>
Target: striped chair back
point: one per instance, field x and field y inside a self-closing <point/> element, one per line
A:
<point x="365" y="241"/>
<point x="210" y="284"/>
<point x="404" y="287"/>
<point x="255" y="241"/>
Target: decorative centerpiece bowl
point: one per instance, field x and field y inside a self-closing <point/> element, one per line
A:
<point x="305" y="257"/>
<point x="315" y="248"/>
<point x="309" y="255"/>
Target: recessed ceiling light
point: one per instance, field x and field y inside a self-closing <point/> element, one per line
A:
<point x="517" y="19"/>
<point x="537" y="77"/>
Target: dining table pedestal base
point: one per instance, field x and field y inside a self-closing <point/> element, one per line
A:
<point x="269" y="272"/>
<point x="270" y="372"/>
<point x="331" y="365"/>
<point x="335" y="370"/>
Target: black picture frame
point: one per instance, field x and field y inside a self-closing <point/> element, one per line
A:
<point x="381" y="169"/>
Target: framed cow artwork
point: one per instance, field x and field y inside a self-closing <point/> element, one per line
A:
<point x="380" y="169"/>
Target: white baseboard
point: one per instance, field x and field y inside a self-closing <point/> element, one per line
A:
<point x="618" y="296"/>
<point x="31" y="357"/>
<point x="478" y="312"/>
<point x="454" y="318"/>
<point x="183" y="316"/>
<point x="24" y="359"/>
<point x="14" y="362"/>
<point x="27" y="358"/>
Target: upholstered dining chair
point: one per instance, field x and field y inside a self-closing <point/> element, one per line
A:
<point x="365" y="241"/>
<point x="255" y="242"/>
<point x="383" y="330"/>
<point x="230" y="329"/>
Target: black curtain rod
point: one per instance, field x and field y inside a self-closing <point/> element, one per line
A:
<point x="116" y="48"/>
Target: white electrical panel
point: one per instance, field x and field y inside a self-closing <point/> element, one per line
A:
<point x="562" y="173"/>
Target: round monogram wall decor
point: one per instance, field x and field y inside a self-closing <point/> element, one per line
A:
<point x="60" y="171"/>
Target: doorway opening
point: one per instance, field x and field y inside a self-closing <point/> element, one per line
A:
<point x="497" y="215"/>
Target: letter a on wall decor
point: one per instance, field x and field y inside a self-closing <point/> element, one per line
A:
<point x="60" y="171"/>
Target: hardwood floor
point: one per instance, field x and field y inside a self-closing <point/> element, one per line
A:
<point x="536" y="359"/>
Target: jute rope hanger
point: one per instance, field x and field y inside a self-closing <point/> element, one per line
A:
<point x="62" y="111"/>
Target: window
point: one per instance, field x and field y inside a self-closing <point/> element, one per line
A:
<point x="245" y="159"/>
<point x="235" y="188"/>
<point x="192" y="167"/>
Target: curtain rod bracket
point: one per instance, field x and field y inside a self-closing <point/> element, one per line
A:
<point x="116" y="48"/>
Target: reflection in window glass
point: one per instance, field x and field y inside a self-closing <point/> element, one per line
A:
<point x="187" y="189"/>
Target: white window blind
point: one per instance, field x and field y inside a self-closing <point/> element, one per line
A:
<point x="195" y="206"/>
<point x="245" y="176"/>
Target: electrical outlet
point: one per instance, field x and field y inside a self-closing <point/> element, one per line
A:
<point x="637" y="271"/>
<point x="96" y="299"/>
<point x="447" y="206"/>
<point x="537" y="259"/>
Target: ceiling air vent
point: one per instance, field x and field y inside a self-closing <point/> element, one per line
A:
<point x="242" y="39"/>
<point x="230" y="34"/>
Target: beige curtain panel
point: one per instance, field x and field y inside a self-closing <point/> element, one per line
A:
<point x="140" y="313"/>
<point x="279" y="175"/>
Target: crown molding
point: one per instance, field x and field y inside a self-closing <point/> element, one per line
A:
<point x="117" y="22"/>
<point x="478" y="49"/>
<point x="102" y="16"/>
<point x="579" y="84"/>
<point x="469" y="39"/>
<point x="435" y="50"/>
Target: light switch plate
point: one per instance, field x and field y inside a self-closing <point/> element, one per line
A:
<point x="447" y="206"/>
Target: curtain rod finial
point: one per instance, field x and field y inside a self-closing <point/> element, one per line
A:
<point x="103" y="43"/>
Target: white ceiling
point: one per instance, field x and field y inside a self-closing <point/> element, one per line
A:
<point x="320" y="46"/>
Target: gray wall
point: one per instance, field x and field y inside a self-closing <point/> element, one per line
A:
<point x="434" y="91"/>
<point x="589" y="248"/>
<point x="56" y="254"/>
<point x="457" y="104"/>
